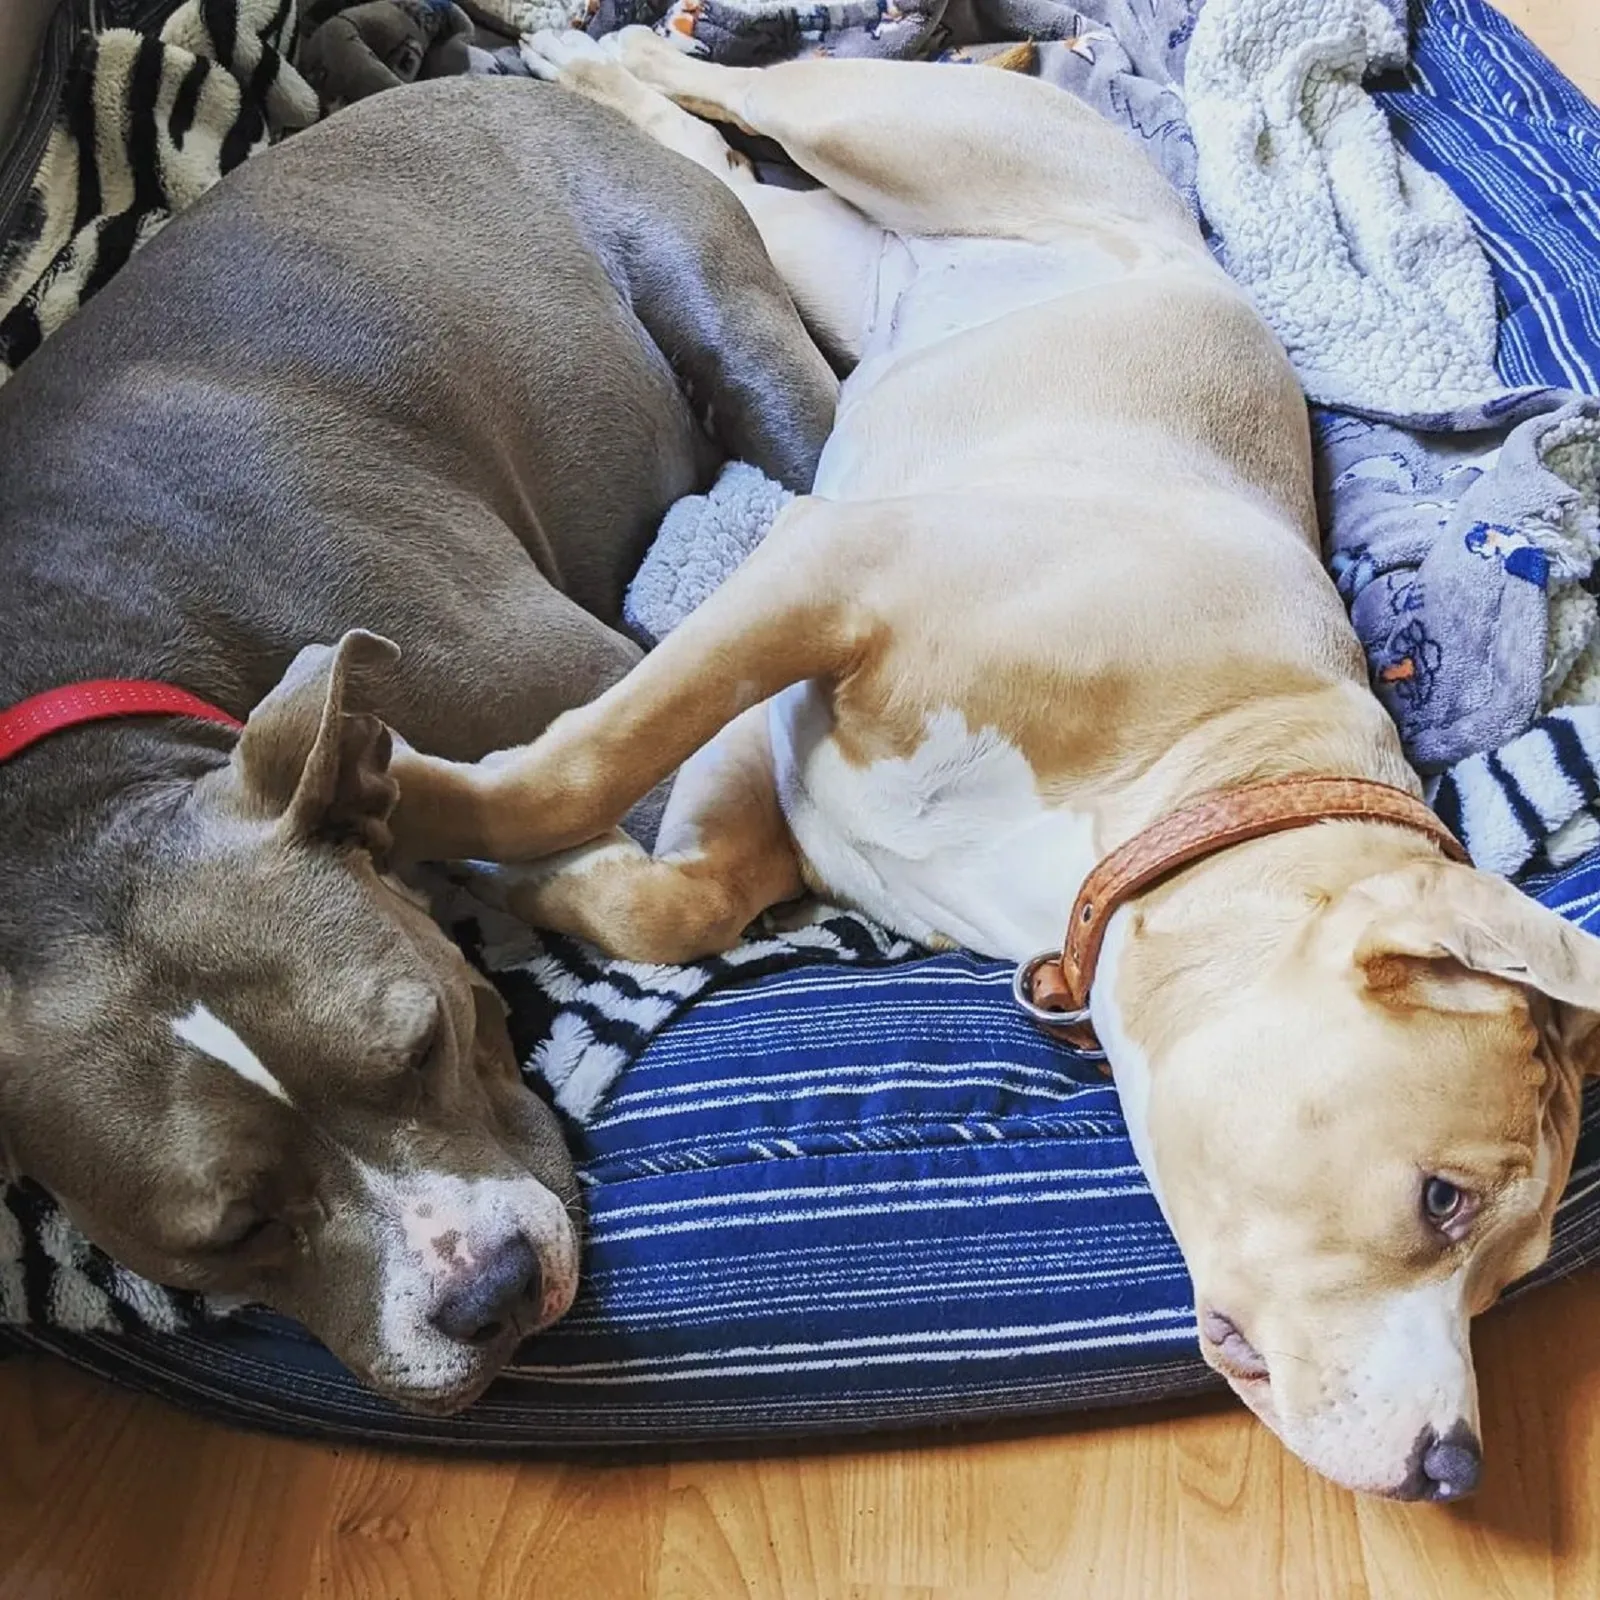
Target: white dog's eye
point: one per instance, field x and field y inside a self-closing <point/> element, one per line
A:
<point x="1447" y="1206"/>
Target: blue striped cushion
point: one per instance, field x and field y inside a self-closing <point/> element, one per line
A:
<point x="1520" y="146"/>
<point x="833" y="1197"/>
<point x="830" y="1199"/>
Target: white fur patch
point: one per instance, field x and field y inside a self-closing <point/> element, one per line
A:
<point x="1420" y="1350"/>
<point x="1130" y="1067"/>
<point x="437" y="1227"/>
<point x="935" y="289"/>
<point x="211" y="1036"/>
<point x="951" y="843"/>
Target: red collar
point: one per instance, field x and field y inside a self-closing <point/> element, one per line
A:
<point x="99" y="700"/>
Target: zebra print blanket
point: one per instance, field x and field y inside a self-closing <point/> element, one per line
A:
<point x="147" y="122"/>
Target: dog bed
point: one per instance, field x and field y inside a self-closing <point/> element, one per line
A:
<point x="833" y="1184"/>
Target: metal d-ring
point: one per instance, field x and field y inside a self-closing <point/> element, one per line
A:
<point x="1022" y="993"/>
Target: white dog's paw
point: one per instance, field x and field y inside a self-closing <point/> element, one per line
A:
<point x="550" y="52"/>
<point x="636" y="46"/>
<point x="543" y="893"/>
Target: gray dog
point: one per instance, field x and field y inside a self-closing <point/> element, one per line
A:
<point x="434" y="369"/>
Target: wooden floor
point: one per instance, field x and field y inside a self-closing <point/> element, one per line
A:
<point x="1568" y="31"/>
<point x="105" y="1497"/>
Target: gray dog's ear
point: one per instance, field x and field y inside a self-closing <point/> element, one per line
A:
<point x="1439" y="915"/>
<point x="313" y="755"/>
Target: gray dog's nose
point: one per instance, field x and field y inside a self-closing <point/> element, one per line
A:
<point x="475" y="1311"/>
<point x="1445" y="1466"/>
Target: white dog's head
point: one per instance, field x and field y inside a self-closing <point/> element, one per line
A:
<point x="1358" y="1121"/>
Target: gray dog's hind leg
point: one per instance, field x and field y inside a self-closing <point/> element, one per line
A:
<point x="706" y="291"/>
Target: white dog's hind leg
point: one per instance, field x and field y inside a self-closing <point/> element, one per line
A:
<point x="825" y="251"/>
<point x="925" y="149"/>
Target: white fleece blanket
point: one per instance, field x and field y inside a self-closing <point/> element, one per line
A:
<point x="1365" y="264"/>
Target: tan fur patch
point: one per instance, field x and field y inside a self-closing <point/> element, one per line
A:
<point x="1020" y="57"/>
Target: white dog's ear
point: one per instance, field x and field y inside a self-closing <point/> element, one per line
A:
<point x="1429" y="918"/>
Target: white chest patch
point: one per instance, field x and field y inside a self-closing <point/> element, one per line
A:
<point x="952" y="843"/>
<point x="211" y="1036"/>
<point x="1129" y="1065"/>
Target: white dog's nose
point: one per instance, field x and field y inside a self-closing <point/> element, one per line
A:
<point x="1448" y="1465"/>
<point x="475" y="1308"/>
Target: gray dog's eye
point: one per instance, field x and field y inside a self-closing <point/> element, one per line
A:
<point x="239" y="1233"/>
<point x="1446" y="1205"/>
<point x="422" y="1056"/>
<point x="246" y="1225"/>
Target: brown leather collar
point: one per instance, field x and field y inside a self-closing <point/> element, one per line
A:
<point x="1058" y="984"/>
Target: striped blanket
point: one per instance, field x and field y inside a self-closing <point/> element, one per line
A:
<point x="825" y="1198"/>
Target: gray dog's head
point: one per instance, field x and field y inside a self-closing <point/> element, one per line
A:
<point x="265" y="1070"/>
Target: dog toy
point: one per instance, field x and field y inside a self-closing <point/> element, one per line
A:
<point x="349" y="54"/>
